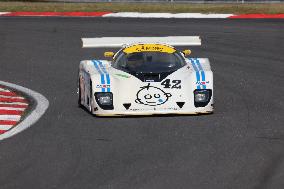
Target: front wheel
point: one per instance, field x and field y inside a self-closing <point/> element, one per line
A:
<point x="79" y="93"/>
<point x="91" y="99"/>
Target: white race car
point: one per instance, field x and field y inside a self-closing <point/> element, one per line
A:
<point x="146" y="76"/>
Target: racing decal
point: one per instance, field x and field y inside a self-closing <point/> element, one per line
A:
<point x="103" y="86"/>
<point x="105" y="79"/>
<point x="149" y="48"/>
<point x="200" y="74"/>
<point x="201" y="82"/>
<point x="175" y="84"/>
<point x="123" y="75"/>
<point x="152" y="96"/>
<point x="142" y="109"/>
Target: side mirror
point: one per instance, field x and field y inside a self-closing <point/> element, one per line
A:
<point x="186" y="52"/>
<point x="109" y="54"/>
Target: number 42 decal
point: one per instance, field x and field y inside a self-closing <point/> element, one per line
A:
<point x="174" y="84"/>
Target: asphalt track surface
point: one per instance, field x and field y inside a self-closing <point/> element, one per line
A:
<point x="240" y="146"/>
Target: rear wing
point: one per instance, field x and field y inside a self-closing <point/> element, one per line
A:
<point x="122" y="41"/>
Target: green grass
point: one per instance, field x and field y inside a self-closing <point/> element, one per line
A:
<point x="143" y="7"/>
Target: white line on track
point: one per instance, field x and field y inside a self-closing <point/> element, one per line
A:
<point x="41" y="106"/>
<point x="165" y="15"/>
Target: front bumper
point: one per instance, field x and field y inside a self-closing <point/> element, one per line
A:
<point x="202" y="110"/>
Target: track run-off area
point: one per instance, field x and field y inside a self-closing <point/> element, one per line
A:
<point x="240" y="146"/>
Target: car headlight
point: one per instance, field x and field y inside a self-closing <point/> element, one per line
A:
<point x="202" y="97"/>
<point x="104" y="100"/>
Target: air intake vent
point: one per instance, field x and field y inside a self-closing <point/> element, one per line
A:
<point x="127" y="105"/>
<point x="151" y="77"/>
<point x="180" y="104"/>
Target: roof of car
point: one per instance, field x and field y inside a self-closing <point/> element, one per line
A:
<point x="149" y="47"/>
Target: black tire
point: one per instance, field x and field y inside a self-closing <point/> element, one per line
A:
<point x="91" y="98"/>
<point x="79" y="94"/>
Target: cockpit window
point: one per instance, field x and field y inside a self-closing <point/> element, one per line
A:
<point x="149" y="62"/>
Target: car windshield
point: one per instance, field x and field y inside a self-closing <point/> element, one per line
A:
<point x="149" y="62"/>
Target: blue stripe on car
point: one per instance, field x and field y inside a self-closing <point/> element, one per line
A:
<point x="198" y="71"/>
<point x="202" y="72"/>
<point x="106" y="74"/>
<point x="101" y="73"/>
<point x="197" y="79"/>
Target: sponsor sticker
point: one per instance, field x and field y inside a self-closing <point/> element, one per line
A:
<point x="149" y="48"/>
<point x="138" y="109"/>
<point x="202" y="82"/>
<point x="103" y="86"/>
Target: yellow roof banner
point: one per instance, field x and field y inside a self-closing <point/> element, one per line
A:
<point x="149" y="48"/>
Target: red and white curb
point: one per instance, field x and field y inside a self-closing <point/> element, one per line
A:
<point x="13" y="106"/>
<point x="139" y="15"/>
